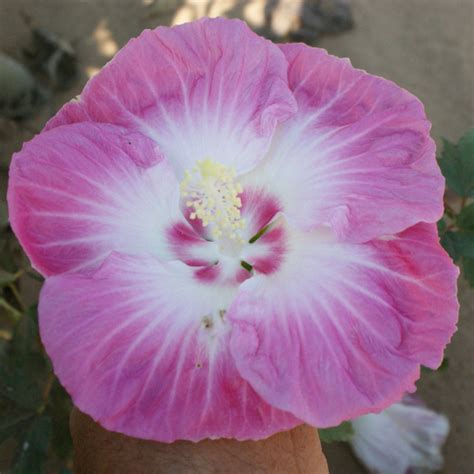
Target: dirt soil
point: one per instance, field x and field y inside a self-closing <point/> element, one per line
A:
<point x="424" y="45"/>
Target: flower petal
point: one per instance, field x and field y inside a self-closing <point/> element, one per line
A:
<point x="78" y="192"/>
<point x="207" y="89"/>
<point x="258" y="209"/>
<point x="142" y="347"/>
<point x="341" y="329"/>
<point x="267" y="253"/>
<point x="356" y="156"/>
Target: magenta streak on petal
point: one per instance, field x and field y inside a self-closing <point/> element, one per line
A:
<point x="267" y="254"/>
<point x="196" y="224"/>
<point x="242" y="275"/>
<point x="208" y="274"/>
<point x="188" y="246"/>
<point x="224" y="273"/>
<point x="259" y="207"/>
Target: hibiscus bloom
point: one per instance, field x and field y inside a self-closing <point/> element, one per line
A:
<point x="237" y="237"/>
<point x="403" y="439"/>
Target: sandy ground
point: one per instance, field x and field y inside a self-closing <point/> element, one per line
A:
<point x="424" y="45"/>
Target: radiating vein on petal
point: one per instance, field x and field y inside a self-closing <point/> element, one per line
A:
<point x="208" y="89"/>
<point x="130" y="346"/>
<point x="356" y="156"/>
<point x="342" y="328"/>
<point x="77" y="193"/>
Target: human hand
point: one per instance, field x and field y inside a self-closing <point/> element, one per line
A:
<point x="100" y="451"/>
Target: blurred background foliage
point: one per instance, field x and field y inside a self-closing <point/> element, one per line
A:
<point x="34" y="423"/>
<point x="456" y="229"/>
<point x="34" y="408"/>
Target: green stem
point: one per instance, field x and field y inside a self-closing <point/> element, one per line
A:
<point x="17" y="296"/>
<point x="11" y="311"/>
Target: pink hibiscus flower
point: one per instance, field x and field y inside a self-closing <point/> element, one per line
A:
<point x="237" y="237"/>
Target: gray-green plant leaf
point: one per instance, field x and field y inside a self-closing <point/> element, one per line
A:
<point x="459" y="244"/>
<point x="13" y="422"/>
<point x="34" y="447"/>
<point x="342" y="432"/>
<point x="468" y="269"/>
<point x="3" y="215"/>
<point x="457" y="164"/>
<point x="465" y="219"/>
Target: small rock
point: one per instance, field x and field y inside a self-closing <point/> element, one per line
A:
<point x="20" y="94"/>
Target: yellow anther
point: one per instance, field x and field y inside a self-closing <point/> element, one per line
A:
<point x="214" y="197"/>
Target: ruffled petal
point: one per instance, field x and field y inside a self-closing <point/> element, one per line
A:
<point x="78" y="192"/>
<point x="357" y="156"/>
<point x="207" y="89"/>
<point x="142" y="347"/>
<point x="341" y="329"/>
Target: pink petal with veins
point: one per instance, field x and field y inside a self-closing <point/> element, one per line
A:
<point x="356" y="156"/>
<point x="207" y="89"/>
<point x="341" y="329"/>
<point x="77" y="193"/>
<point x="143" y="348"/>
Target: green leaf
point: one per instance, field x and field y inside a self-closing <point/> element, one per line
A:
<point x="459" y="244"/>
<point x="24" y="366"/>
<point x="468" y="268"/>
<point x="442" y="226"/>
<point x="25" y="339"/>
<point x="32" y="313"/>
<point x="13" y="422"/>
<point x="59" y="408"/>
<point x="18" y="386"/>
<point x="464" y="242"/>
<point x="10" y="252"/>
<point x="444" y="364"/>
<point x="9" y="310"/>
<point x="34" y="447"/>
<point x="448" y="242"/>
<point x="6" y="277"/>
<point x="457" y="164"/>
<point x="3" y="215"/>
<point x="342" y="432"/>
<point x="466" y="152"/>
<point x="465" y="219"/>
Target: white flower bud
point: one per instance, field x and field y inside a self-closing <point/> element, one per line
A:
<point x="405" y="438"/>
